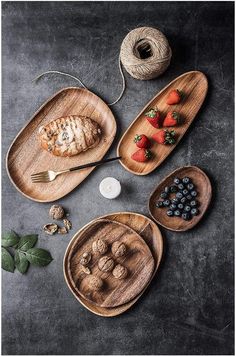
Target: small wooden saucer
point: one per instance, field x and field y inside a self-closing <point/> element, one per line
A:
<point x="138" y="260"/>
<point x="203" y="187"/>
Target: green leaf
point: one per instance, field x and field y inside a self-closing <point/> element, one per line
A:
<point x="7" y="261"/>
<point x="38" y="256"/>
<point x="27" y="242"/>
<point x="21" y="262"/>
<point x="10" y="239"/>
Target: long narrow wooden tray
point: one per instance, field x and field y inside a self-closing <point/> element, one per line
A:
<point x="148" y="230"/>
<point x="25" y="156"/>
<point x="194" y="86"/>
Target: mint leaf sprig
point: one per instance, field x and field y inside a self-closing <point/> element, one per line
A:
<point x="24" y="252"/>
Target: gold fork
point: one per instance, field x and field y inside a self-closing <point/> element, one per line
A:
<point x="49" y="176"/>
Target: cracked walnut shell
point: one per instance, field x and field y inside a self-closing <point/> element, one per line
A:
<point x="99" y="246"/>
<point x="94" y="283"/>
<point x="120" y="271"/>
<point x="50" y="229"/>
<point x="106" y="264"/>
<point x="118" y="249"/>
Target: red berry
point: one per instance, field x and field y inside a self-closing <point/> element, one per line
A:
<point x="142" y="141"/>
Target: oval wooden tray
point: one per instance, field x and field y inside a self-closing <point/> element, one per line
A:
<point x="138" y="260"/>
<point x="25" y="156"/>
<point x="203" y="187"/>
<point x="151" y="234"/>
<point x="194" y="85"/>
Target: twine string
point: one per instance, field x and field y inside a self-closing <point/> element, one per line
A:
<point x="83" y="85"/>
<point x="145" y="54"/>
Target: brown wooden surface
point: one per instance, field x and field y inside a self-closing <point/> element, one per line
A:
<point x="138" y="260"/>
<point x="194" y="86"/>
<point x="203" y="187"/>
<point x="26" y="157"/>
<point x="151" y="234"/>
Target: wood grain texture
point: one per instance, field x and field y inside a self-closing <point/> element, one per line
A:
<point x="138" y="260"/>
<point x="25" y="156"/>
<point x="194" y="86"/>
<point x="148" y="231"/>
<point x="203" y="187"/>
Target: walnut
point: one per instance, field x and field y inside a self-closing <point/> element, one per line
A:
<point x="50" y="229"/>
<point x="67" y="224"/>
<point x="100" y="246"/>
<point x="56" y="212"/>
<point x="120" y="271"/>
<point x="62" y="230"/>
<point x="105" y="264"/>
<point x="118" y="249"/>
<point x="85" y="259"/>
<point x="94" y="282"/>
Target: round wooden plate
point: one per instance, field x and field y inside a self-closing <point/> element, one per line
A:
<point x="138" y="260"/>
<point x="25" y="156"/>
<point x="194" y="86"/>
<point x="150" y="233"/>
<point x="203" y="187"/>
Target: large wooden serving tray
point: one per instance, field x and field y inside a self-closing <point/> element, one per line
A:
<point x="25" y="156"/>
<point x="203" y="187"/>
<point x="194" y="86"/>
<point x="138" y="260"/>
<point x="149" y="232"/>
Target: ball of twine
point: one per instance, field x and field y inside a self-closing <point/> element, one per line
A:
<point x="145" y="53"/>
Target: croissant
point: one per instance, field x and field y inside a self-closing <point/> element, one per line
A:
<point x="70" y="135"/>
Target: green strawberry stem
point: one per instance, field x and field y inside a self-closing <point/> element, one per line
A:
<point x="151" y="113"/>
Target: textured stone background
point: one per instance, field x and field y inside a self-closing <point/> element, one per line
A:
<point x="188" y="309"/>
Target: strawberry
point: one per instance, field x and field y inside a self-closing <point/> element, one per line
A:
<point x="164" y="137"/>
<point x="153" y="116"/>
<point x="142" y="155"/>
<point x="174" y="97"/>
<point x="142" y="141"/>
<point x="172" y="119"/>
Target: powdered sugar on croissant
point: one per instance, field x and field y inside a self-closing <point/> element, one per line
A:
<point x="70" y="135"/>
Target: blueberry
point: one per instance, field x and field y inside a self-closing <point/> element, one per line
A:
<point x="173" y="207"/>
<point x="167" y="190"/>
<point x="186" y="216"/>
<point x="183" y="200"/>
<point x="179" y="195"/>
<point x="189" y="197"/>
<point x="186" y="180"/>
<point x="174" y="201"/>
<point x="166" y="202"/>
<point x="176" y="180"/>
<point x="190" y="186"/>
<point x="180" y="186"/>
<point x="169" y="213"/>
<point x="193" y="193"/>
<point x="164" y="195"/>
<point x="159" y="204"/>
<point x="177" y="213"/>
<point x="180" y="206"/>
<point x="185" y="192"/>
<point x="193" y="203"/>
<point x="187" y="208"/>
<point x="173" y="189"/>
<point x="194" y="211"/>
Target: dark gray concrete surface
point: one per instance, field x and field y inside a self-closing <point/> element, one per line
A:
<point x="188" y="309"/>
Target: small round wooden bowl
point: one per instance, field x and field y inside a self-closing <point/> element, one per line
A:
<point x="203" y="187"/>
